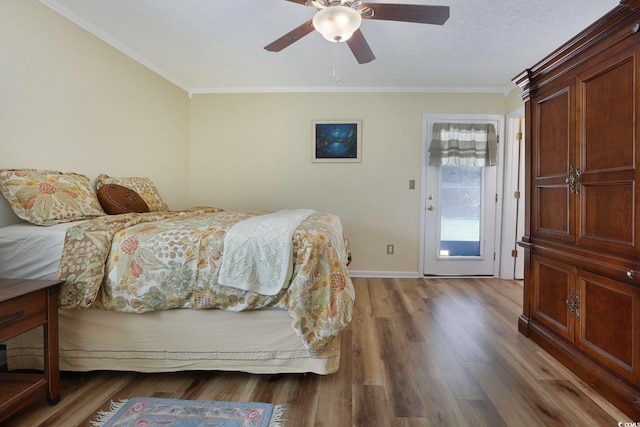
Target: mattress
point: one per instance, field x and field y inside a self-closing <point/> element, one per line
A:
<point x="32" y="251"/>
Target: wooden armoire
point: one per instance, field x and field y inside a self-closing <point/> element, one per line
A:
<point x="582" y="231"/>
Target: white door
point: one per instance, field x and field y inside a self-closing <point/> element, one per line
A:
<point x="461" y="213"/>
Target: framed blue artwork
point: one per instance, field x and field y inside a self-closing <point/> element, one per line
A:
<point x="337" y="141"/>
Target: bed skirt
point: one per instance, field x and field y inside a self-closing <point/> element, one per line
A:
<point x="258" y="341"/>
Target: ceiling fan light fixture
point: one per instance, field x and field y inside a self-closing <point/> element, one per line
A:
<point x="337" y="23"/>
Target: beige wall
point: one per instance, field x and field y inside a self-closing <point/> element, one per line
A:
<point x="253" y="151"/>
<point x="70" y="102"/>
<point x="514" y="100"/>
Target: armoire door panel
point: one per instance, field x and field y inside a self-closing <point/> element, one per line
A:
<point x="608" y="206"/>
<point x="552" y="283"/>
<point x="552" y="210"/>
<point x="609" y="315"/>
<point x="553" y="134"/>
<point x="607" y="213"/>
<point x="607" y="117"/>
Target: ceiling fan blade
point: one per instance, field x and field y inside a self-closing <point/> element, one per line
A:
<point x="420" y="14"/>
<point x="360" y="48"/>
<point x="291" y="37"/>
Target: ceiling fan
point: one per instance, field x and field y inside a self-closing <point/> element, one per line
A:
<point x="339" y="21"/>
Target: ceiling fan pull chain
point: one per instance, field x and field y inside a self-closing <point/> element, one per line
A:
<point x="336" y="58"/>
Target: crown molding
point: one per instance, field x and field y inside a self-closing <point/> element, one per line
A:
<point x="352" y="89"/>
<point x="68" y="14"/>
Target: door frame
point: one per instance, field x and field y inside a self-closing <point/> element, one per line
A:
<point x="513" y="227"/>
<point x="426" y="117"/>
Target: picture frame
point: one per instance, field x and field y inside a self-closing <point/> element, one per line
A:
<point x="336" y="141"/>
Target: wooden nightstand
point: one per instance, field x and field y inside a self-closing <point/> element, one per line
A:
<point x="24" y="305"/>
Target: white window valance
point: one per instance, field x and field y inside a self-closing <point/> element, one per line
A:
<point x="465" y="144"/>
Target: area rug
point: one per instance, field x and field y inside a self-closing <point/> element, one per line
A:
<point x="152" y="412"/>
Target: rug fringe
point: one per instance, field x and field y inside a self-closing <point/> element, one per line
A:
<point x="103" y="416"/>
<point x="276" y="417"/>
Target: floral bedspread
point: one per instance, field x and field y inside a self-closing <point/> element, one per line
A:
<point x="165" y="260"/>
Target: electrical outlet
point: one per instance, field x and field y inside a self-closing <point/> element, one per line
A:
<point x="412" y="184"/>
<point x="389" y="249"/>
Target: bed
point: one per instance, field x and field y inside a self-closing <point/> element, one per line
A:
<point x="142" y="289"/>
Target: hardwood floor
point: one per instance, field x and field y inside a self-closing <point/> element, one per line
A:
<point x="430" y="352"/>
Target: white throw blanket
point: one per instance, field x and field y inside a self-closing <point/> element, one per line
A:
<point x="258" y="252"/>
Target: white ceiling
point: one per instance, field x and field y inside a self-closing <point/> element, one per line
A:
<point x="217" y="46"/>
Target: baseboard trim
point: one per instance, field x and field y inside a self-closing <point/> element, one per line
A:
<point x="385" y="274"/>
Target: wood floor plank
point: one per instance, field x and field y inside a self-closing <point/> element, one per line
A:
<point x="336" y="391"/>
<point x="497" y="338"/>
<point x="401" y="372"/>
<point x="363" y="299"/>
<point x="538" y="368"/>
<point x="572" y="397"/>
<point x="413" y="422"/>
<point x="380" y="304"/>
<point x="481" y="413"/>
<point x="412" y="293"/>
<point x="419" y="352"/>
<point x="368" y="367"/>
<point x="401" y="313"/>
<point x="300" y="391"/>
<point x="415" y="388"/>
<point x="498" y="299"/>
<point x="540" y="405"/>
<point x="598" y="401"/>
<point x="512" y="409"/>
<point x="448" y="315"/>
<point x="446" y="358"/>
<point x="370" y="407"/>
<point x="454" y="373"/>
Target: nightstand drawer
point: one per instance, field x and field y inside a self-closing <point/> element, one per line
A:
<point x="22" y="313"/>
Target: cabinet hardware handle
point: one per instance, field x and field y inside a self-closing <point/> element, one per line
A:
<point x="18" y="315"/>
<point x="570" y="302"/>
<point x="633" y="275"/>
<point x="573" y="180"/>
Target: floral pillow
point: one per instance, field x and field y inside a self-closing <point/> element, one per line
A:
<point x="143" y="186"/>
<point x="45" y="197"/>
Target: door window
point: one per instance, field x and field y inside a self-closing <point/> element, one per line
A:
<point x="460" y="211"/>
